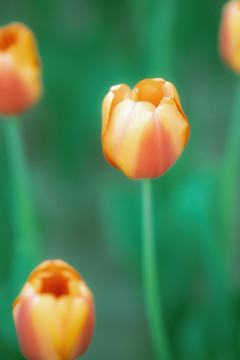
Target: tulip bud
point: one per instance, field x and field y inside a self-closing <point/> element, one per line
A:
<point x="54" y="313"/>
<point x="20" y="70"/>
<point x="229" y="35"/>
<point x="144" y="130"/>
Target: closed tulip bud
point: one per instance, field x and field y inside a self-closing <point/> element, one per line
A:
<point x="54" y="313"/>
<point x="144" y="130"/>
<point x="229" y="35"/>
<point x="20" y="70"/>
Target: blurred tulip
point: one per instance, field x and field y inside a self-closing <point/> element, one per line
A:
<point x="20" y="70"/>
<point x="144" y="130"/>
<point x="54" y="313"/>
<point x="229" y="36"/>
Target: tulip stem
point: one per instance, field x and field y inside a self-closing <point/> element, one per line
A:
<point x="26" y="233"/>
<point x="229" y="178"/>
<point x="150" y="277"/>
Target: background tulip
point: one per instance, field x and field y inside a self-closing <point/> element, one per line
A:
<point x="144" y="130"/>
<point x="54" y="315"/>
<point x="229" y="38"/>
<point x="20" y="69"/>
<point x="229" y="46"/>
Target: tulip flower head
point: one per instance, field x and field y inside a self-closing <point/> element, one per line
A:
<point x="54" y="313"/>
<point x="20" y="70"/>
<point x="229" y="35"/>
<point x="144" y="130"/>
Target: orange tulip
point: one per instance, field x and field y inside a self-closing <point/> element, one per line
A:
<point x="54" y="313"/>
<point x="144" y="130"/>
<point x="229" y="36"/>
<point x="20" y="70"/>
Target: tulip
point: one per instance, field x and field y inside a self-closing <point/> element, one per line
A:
<point x="20" y="70"/>
<point x="54" y="313"/>
<point x="144" y="130"/>
<point x="229" y="35"/>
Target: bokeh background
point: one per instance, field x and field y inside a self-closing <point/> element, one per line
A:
<point x="89" y="214"/>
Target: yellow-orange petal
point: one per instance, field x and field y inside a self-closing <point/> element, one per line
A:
<point x="175" y="124"/>
<point x="121" y="119"/>
<point x="150" y="90"/>
<point x="20" y="70"/>
<point x="47" y="326"/>
<point x="115" y="95"/>
<point x="169" y="91"/>
<point x="74" y="315"/>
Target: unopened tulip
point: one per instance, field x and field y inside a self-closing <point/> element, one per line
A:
<point x="144" y="130"/>
<point x="54" y="313"/>
<point x="229" y="36"/>
<point x="20" y="69"/>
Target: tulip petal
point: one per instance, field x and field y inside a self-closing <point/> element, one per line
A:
<point x="234" y="31"/>
<point x="136" y="159"/>
<point x="121" y="119"/>
<point x="229" y="41"/>
<point x="116" y="94"/>
<point x="47" y="326"/>
<point x="175" y="124"/>
<point x="225" y="46"/>
<point x="74" y="314"/>
<point x="151" y="135"/>
<point x="14" y="94"/>
<point x="169" y="91"/>
<point x="24" y="326"/>
<point x="88" y="328"/>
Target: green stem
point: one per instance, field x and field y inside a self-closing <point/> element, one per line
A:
<point x="27" y="249"/>
<point x="229" y="178"/>
<point x="150" y="277"/>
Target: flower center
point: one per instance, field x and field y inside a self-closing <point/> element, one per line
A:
<point x="56" y="285"/>
<point x="148" y="92"/>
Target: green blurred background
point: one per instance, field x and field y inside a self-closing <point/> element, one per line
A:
<point x="89" y="213"/>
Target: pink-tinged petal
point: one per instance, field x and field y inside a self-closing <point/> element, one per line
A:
<point x="130" y="147"/>
<point x="229" y="40"/>
<point x="20" y="70"/>
<point x="224" y="38"/>
<point x="143" y="146"/>
<point x="150" y="136"/>
<point x="14" y="92"/>
<point x="25" y="330"/>
<point x="122" y="117"/>
<point x="150" y="163"/>
<point x="115" y="95"/>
